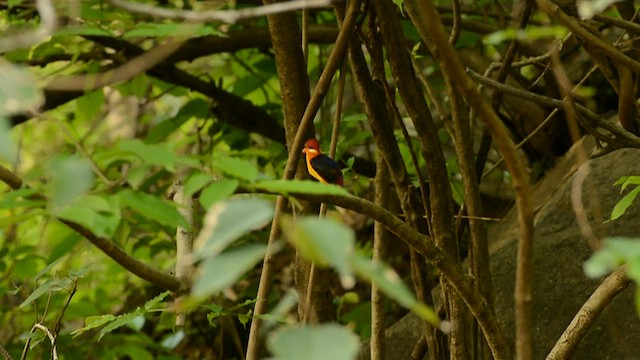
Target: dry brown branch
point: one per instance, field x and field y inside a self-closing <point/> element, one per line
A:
<point x="127" y="71"/>
<point x="321" y="89"/>
<point x="426" y="19"/>
<point x="583" y="320"/>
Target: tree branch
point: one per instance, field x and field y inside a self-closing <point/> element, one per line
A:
<point x="131" y="264"/>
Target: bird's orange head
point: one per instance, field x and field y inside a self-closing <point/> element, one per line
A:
<point x="311" y="147"/>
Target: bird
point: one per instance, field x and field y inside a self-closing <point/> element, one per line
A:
<point x="320" y="166"/>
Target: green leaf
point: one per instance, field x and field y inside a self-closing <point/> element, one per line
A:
<point x="19" y="91"/>
<point x="314" y="342"/>
<point x="153" y="303"/>
<point x="82" y="30"/>
<point x="325" y="241"/>
<point x="195" y="182"/>
<point x="89" y="106"/>
<point x="53" y="284"/>
<point x="198" y="108"/>
<point x="221" y="271"/>
<point x="167" y="29"/>
<point x="7" y="145"/>
<point x="217" y="191"/>
<point x="151" y="154"/>
<point x="92" y="322"/>
<point x="118" y="322"/>
<point x="172" y="340"/>
<point x="626" y="181"/>
<point x="236" y="167"/>
<point x="99" y="214"/>
<point x="529" y="34"/>
<point x="621" y="207"/>
<point x="70" y="176"/>
<point x="153" y="207"/>
<point x="227" y="221"/>
<point x="286" y="187"/>
<point x="613" y="253"/>
<point x="588" y="8"/>
<point x="26" y="267"/>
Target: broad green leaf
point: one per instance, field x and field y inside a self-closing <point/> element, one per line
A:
<point x="196" y="182"/>
<point x="227" y="221"/>
<point x="530" y="33"/>
<point x="172" y="340"/>
<point x="82" y="30"/>
<point x="314" y="342"/>
<point x="26" y="267"/>
<point x="97" y="213"/>
<point x="286" y="187"/>
<point x="153" y="303"/>
<point x="613" y="253"/>
<point x="53" y="284"/>
<point x="621" y="207"/>
<point x="588" y="8"/>
<point x="151" y="154"/>
<point x="118" y="322"/>
<point x="236" y="167"/>
<point x="92" y="322"/>
<point x="19" y="91"/>
<point x="89" y="105"/>
<point x="198" y="108"/>
<point x="130" y="350"/>
<point x="70" y="177"/>
<point x="221" y="271"/>
<point x="217" y="191"/>
<point x="327" y="242"/>
<point x="168" y="29"/>
<point x="153" y="207"/>
<point x="7" y="146"/>
<point x="625" y="181"/>
<point x="65" y="246"/>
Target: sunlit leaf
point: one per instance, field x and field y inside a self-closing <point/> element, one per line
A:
<point x="314" y="342"/>
<point x="217" y="191"/>
<point x="152" y="154"/>
<point x="221" y="271"/>
<point x="589" y="8"/>
<point x="225" y="222"/>
<point x="623" y="204"/>
<point x="613" y="253"/>
<point x="153" y="208"/>
<point x="70" y="176"/>
<point x="300" y="186"/>
<point x="236" y="167"/>
<point x="7" y="145"/>
<point x="19" y="91"/>
<point x="528" y="34"/>
<point x="89" y="105"/>
<point x="53" y="284"/>
<point x="327" y="242"/>
<point x="172" y="340"/>
<point x="99" y="214"/>
<point x="196" y="182"/>
<point x="198" y="108"/>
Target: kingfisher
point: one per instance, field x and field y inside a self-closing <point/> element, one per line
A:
<point x="320" y="166"/>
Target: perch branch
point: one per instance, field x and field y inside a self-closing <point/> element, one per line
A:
<point x="581" y="323"/>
